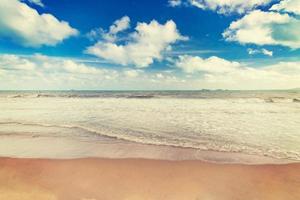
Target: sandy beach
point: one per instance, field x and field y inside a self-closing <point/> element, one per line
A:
<point x="131" y="179"/>
<point x="66" y="148"/>
<point x="78" y="168"/>
<point x="150" y="100"/>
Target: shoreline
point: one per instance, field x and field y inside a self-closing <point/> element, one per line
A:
<point x="47" y="147"/>
<point x="147" y="179"/>
<point x="258" y="133"/>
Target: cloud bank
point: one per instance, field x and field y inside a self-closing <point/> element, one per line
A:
<point x="44" y="72"/>
<point x="222" y="73"/>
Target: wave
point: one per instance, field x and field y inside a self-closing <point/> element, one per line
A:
<point x="141" y="96"/>
<point x="233" y="99"/>
<point x="271" y="153"/>
<point x="281" y="100"/>
<point x="81" y="96"/>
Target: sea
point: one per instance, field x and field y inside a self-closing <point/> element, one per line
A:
<point x="264" y="123"/>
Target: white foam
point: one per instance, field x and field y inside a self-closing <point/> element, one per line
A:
<point x="240" y="125"/>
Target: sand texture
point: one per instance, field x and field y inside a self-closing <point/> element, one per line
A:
<point x="140" y="179"/>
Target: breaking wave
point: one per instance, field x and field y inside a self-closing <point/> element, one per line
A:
<point x="223" y="146"/>
<point x="234" y="96"/>
<point x="265" y="123"/>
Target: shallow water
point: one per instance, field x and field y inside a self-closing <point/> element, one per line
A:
<point x="252" y="122"/>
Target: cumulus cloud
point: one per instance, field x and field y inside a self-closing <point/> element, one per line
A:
<point x="191" y="64"/>
<point x="27" y="27"/>
<point x="144" y="45"/>
<point x="260" y="51"/>
<point x="120" y="25"/>
<point x="174" y="3"/>
<point x="229" y="6"/>
<point x="265" y="28"/>
<point x="290" y="6"/>
<point x="111" y="35"/>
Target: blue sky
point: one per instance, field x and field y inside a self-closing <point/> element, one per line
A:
<point x="139" y="44"/>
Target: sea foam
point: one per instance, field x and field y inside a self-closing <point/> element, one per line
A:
<point x="244" y="122"/>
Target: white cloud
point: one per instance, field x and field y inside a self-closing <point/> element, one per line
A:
<point x="110" y="35"/>
<point x="120" y="25"/>
<point x="191" y="64"/>
<point x="73" y="67"/>
<point x="12" y="62"/>
<point x="285" y="68"/>
<point x="260" y="51"/>
<point x="267" y="52"/>
<point x="174" y="3"/>
<point x="26" y="26"/>
<point x="159" y="75"/>
<point x="41" y="63"/>
<point x="284" y="75"/>
<point x="44" y="72"/>
<point x="290" y="6"/>
<point x="229" y="6"/>
<point x="131" y="73"/>
<point x="227" y="74"/>
<point x="253" y="51"/>
<point x="37" y="2"/>
<point x="265" y="28"/>
<point x="95" y="34"/>
<point x="144" y="46"/>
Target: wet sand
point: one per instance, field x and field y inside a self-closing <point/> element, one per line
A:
<point x="27" y="146"/>
<point x="144" y="179"/>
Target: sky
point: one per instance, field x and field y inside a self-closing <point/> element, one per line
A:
<point x="149" y="45"/>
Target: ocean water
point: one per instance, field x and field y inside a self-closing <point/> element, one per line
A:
<point x="265" y="123"/>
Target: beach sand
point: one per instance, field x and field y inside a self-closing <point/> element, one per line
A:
<point x="144" y="179"/>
